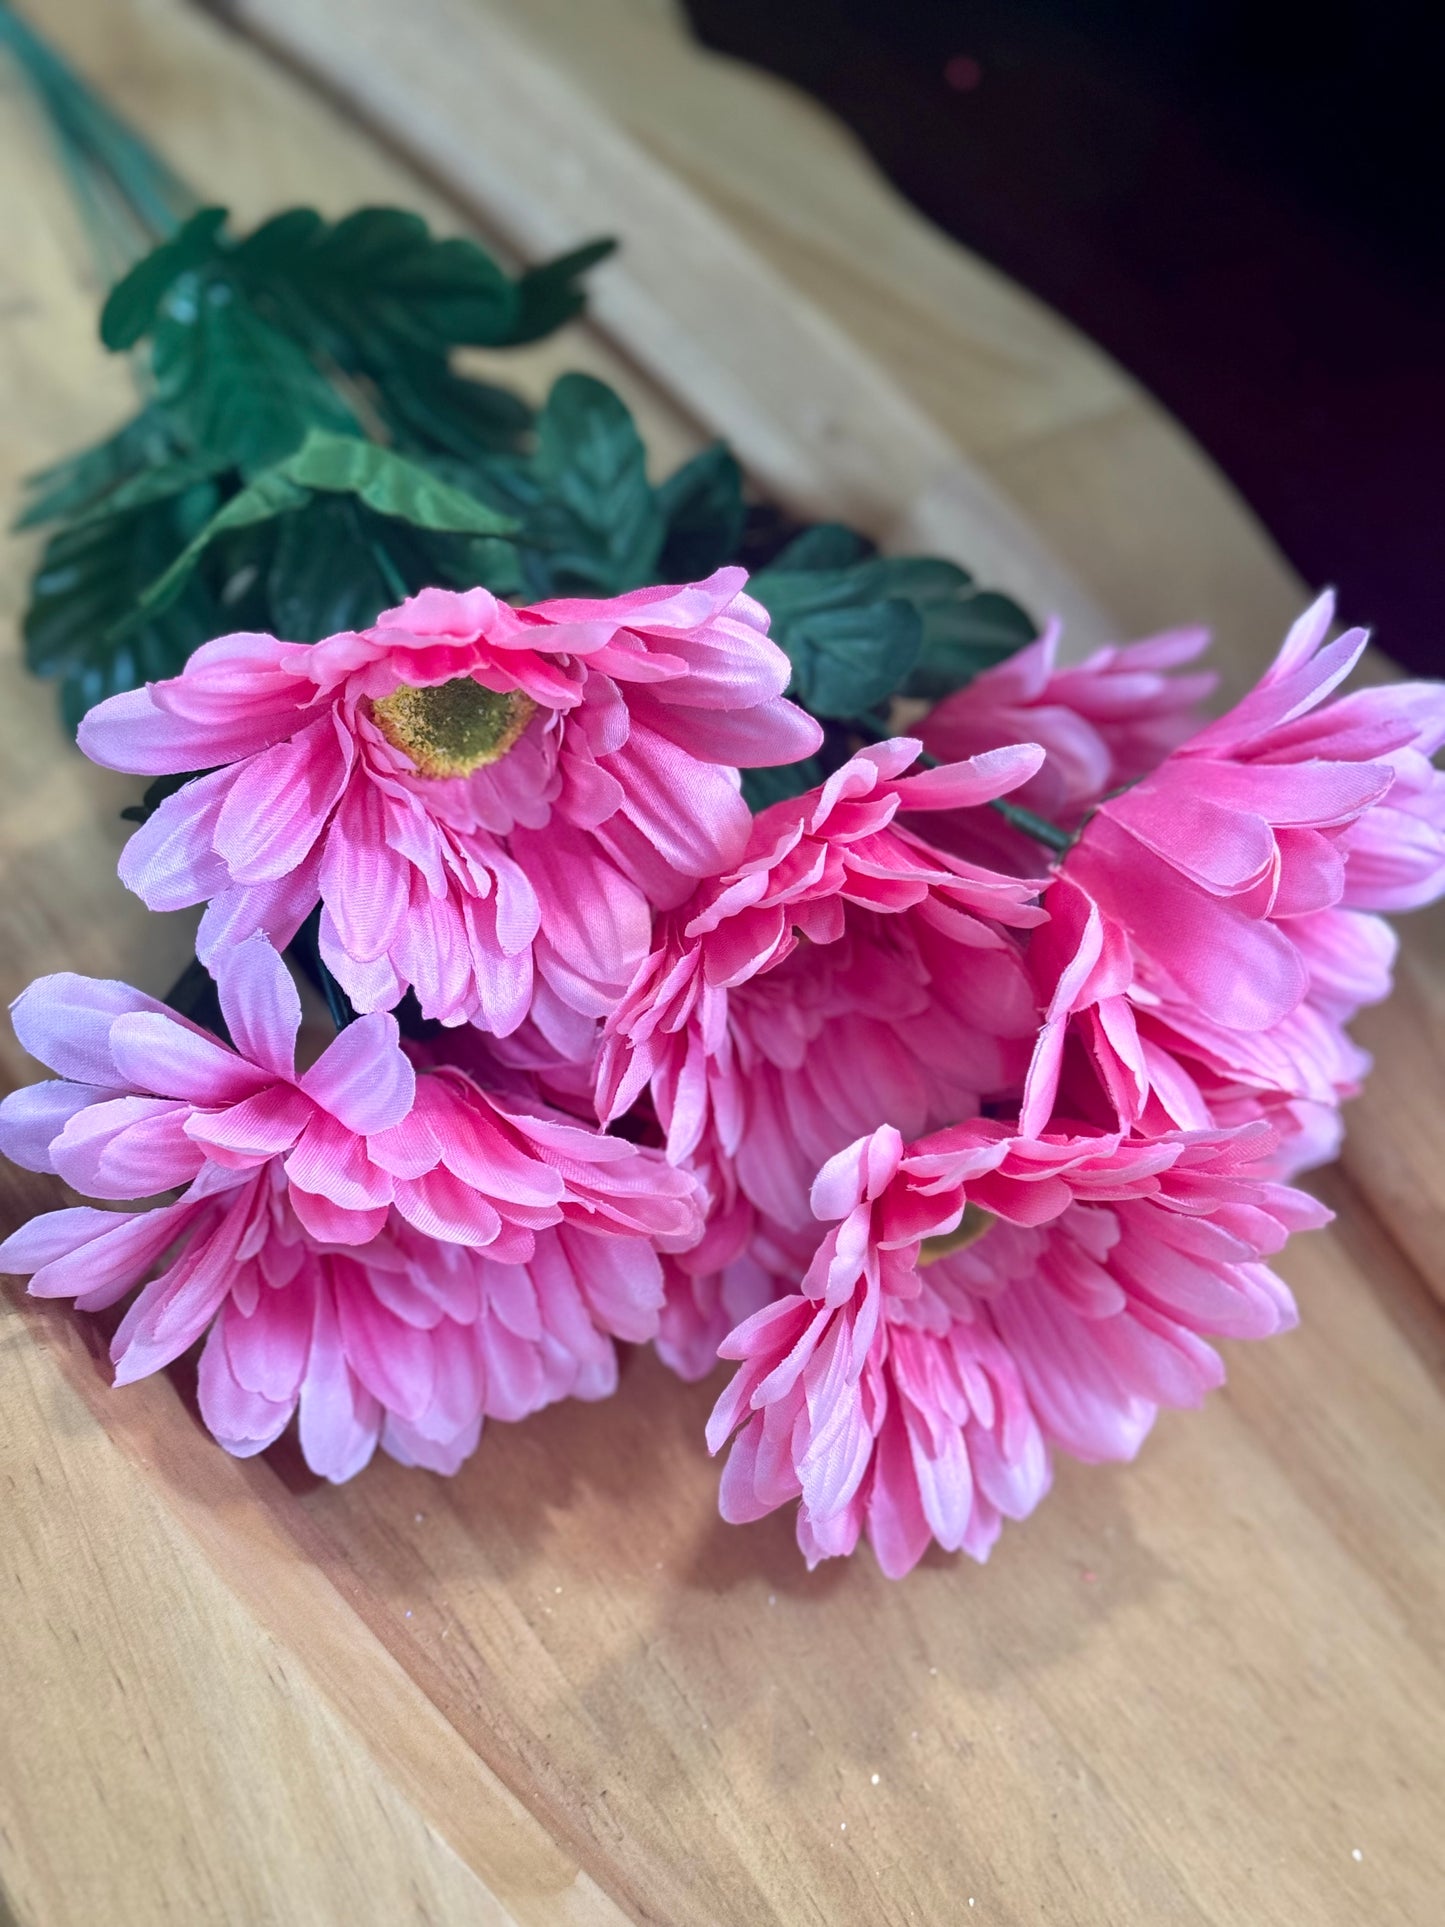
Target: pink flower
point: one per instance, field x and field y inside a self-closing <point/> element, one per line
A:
<point x="843" y="974"/>
<point x="403" y="1341"/>
<point x="400" y="1256"/>
<point x="1205" y="938"/>
<point x="981" y="1299"/>
<point x="487" y="801"/>
<point x="1101" y="723"/>
<point x="414" y="1344"/>
<point x="147" y="1101"/>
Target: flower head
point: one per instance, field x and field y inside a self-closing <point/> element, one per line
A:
<point x="487" y="801"/>
<point x="1102" y="723"/>
<point x="1206" y="939"/>
<point x="398" y="1256"/>
<point x="980" y="1299"/>
<point x="843" y="974"/>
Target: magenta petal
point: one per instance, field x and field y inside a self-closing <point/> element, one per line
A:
<point x="331" y="1162"/>
<point x="340" y="1419"/>
<point x="392" y="1359"/>
<point x="34" y="1116"/>
<point x="66" y="1020"/>
<point x="242" y="1421"/>
<point x="278" y="804"/>
<point x="158" y="1052"/>
<point x="363" y="1077"/>
<point x="174" y="1309"/>
<point x="259" y="1127"/>
<point x="83" y="1250"/>
<point x="334" y="1224"/>
<point x="128" y="1147"/>
<point x="260" y="1004"/>
<point x="170" y="862"/>
<point x="268" y="1350"/>
<point x="364" y="884"/>
<point x="443" y="1207"/>
<point x="132" y="732"/>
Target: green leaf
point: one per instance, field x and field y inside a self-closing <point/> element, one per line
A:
<point x="550" y="295"/>
<point x="824" y="612"/>
<point x="828" y="546"/>
<point x="478" y="562"/>
<point x="702" y="506"/>
<point x="93" y="573"/>
<point x="850" y="660"/>
<point x="429" y="408"/>
<point x="132" y="304"/>
<point x="979" y="630"/>
<point x="389" y="484"/>
<point x="270" y="495"/>
<point x="76" y="485"/>
<point x="378" y="279"/>
<point x="324" y="575"/>
<point x="157" y="484"/>
<point x="599" y="526"/>
<point x="243" y="393"/>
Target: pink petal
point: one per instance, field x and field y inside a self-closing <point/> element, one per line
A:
<point x="158" y="1052"/>
<point x="128" y="1147"/>
<point x="363" y="1077"/>
<point x="66" y="1020"/>
<point x="34" y="1116"/>
<point x="279" y="802"/>
<point x="340" y="1419"/>
<point x="260" y="1004"/>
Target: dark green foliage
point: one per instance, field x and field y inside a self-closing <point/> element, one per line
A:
<point x="703" y="511"/>
<point x="241" y="392"/>
<point x="91" y="577"/>
<point x="764" y="786"/>
<point x="861" y="627"/>
<point x="131" y="306"/>
<point x="309" y="455"/>
<point x="597" y="522"/>
<point x="194" y="995"/>
<point x="78" y="484"/>
<point x="251" y="489"/>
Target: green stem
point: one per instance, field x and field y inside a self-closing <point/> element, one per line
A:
<point x="1038" y="827"/>
<point x="95" y="141"/>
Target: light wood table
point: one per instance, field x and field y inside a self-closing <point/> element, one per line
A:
<point x="1203" y="1689"/>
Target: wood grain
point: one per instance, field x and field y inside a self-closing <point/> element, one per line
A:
<point x="557" y="1687"/>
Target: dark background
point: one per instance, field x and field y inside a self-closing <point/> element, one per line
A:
<point x="1241" y="203"/>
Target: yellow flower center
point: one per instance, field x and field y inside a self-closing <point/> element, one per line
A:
<point x="452" y="728"/>
<point x="969" y="1229"/>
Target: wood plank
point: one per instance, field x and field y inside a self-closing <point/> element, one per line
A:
<point x="1189" y="1691"/>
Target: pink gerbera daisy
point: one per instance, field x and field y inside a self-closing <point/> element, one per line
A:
<point x="844" y="974"/>
<point x="980" y="1299"/>
<point x="399" y="1256"/>
<point x="1209" y="934"/>
<point x="486" y="801"/>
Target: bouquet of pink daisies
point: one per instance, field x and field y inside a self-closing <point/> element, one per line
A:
<point x="954" y="1099"/>
<point x="948" y="1086"/>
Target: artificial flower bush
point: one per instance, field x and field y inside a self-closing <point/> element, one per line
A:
<point x="954" y="1097"/>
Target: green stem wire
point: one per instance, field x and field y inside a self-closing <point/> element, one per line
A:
<point x="130" y="198"/>
<point x="1038" y="827"/>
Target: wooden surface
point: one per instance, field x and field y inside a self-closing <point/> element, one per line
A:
<point x="1204" y="1689"/>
